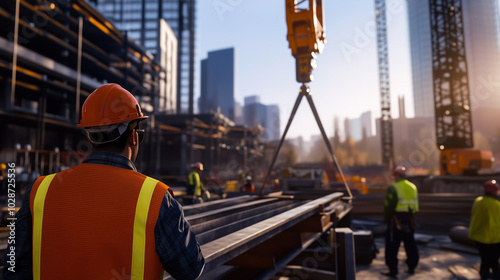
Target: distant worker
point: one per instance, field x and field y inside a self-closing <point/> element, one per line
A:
<point x="485" y="230"/>
<point x="195" y="185"/>
<point x="102" y="219"/>
<point x="401" y="202"/>
<point x="3" y="178"/>
<point x="248" y="186"/>
<point x="277" y="186"/>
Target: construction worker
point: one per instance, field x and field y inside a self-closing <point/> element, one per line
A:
<point x="248" y="186"/>
<point x="195" y="185"/>
<point x="277" y="186"/>
<point x="102" y="219"/>
<point x="3" y="177"/>
<point x="401" y="202"/>
<point x="485" y="230"/>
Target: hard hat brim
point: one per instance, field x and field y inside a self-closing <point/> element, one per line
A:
<point x="105" y="123"/>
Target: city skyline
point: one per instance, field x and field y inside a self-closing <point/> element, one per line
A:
<point x="346" y="80"/>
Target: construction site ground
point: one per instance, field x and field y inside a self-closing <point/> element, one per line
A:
<point x="440" y="258"/>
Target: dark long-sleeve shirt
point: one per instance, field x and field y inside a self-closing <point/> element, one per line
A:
<point x="391" y="200"/>
<point x="176" y="245"/>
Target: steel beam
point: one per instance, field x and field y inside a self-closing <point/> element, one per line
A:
<point x="221" y="250"/>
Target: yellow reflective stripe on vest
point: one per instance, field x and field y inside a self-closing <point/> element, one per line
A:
<point x="141" y="217"/>
<point x="38" y="206"/>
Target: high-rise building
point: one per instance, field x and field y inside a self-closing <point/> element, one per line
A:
<point x="218" y="85"/>
<point x="140" y="19"/>
<point x="273" y="123"/>
<point x="360" y="127"/>
<point x="366" y="124"/>
<point x="481" y="33"/>
<point x="238" y="114"/>
<point x="167" y="58"/>
<point x="267" y="116"/>
<point x="421" y="57"/>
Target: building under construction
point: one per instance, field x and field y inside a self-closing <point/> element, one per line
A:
<point x="54" y="54"/>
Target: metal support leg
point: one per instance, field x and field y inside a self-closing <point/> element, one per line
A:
<point x="327" y="142"/>
<point x="345" y="263"/>
<point x="304" y="91"/>
<point x="290" y="119"/>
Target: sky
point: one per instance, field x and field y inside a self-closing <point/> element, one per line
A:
<point x="346" y="78"/>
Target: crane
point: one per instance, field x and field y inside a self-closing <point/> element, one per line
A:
<point x="385" y="93"/>
<point x="450" y="73"/>
<point x="454" y="134"/>
<point x="306" y="38"/>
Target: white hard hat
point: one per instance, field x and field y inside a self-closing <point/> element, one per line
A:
<point x="248" y="178"/>
<point x="198" y="165"/>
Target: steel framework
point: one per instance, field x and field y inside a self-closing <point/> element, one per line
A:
<point x="385" y="93"/>
<point x="451" y="82"/>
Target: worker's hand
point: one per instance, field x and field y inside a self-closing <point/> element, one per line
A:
<point x="206" y="195"/>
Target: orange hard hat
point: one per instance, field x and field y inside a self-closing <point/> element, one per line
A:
<point x="110" y="104"/>
<point x="399" y="171"/>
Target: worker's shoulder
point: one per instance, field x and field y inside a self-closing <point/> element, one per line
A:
<point x="106" y="172"/>
<point x="410" y="183"/>
<point x="404" y="181"/>
<point x="159" y="183"/>
<point x="489" y="201"/>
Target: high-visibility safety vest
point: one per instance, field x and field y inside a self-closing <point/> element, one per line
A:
<point x="194" y="180"/>
<point x="96" y="221"/>
<point x="485" y="220"/>
<point x="407" y="196"/>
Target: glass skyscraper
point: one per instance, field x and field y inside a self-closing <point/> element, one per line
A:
<point x="141" y="21"/>
<point x="218" y="85"/>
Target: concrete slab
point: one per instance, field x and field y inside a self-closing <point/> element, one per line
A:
<point x="434" y="263"/>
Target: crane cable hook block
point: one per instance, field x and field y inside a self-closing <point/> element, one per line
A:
<point x="306" y="35"/>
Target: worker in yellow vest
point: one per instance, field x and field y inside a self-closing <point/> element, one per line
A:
<point x="485" y="230"/>
<point x="195" y="185"/>
<point x="401" y="202"/>
<point x="102" y="219"/>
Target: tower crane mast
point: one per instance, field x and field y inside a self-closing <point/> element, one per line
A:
<point x="450" y="75"/>
<point x="385" y="93"/>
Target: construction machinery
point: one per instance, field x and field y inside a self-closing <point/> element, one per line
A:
<point x="454" y="133"/>
<point x="304" y="179"/>
<point x="306" y="38"/>
<point x="255" y="237"/>
<point x="464" y="161"/>
<point x="306" y="35"/>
